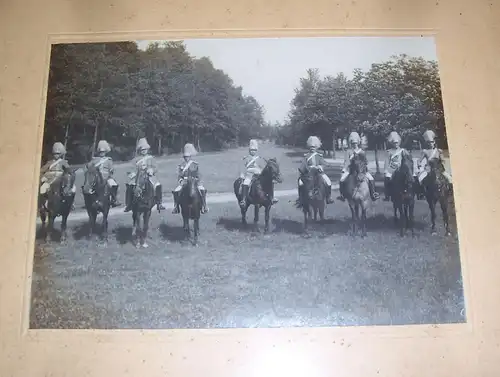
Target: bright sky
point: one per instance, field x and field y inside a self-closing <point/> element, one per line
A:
<point x="270" y="69"/>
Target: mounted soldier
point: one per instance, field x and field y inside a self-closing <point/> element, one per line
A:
<point x="431" y="153"/>
<point x="393" y="161"/>
<point x="54" y="169"/>
<point x="315" y="159"/>
<point x="253" y="165"/>
<point x="144" y="161"/>
<point x="104" y="164"/>
<point x="189" y="168"/>
<point x="355" y="141"/>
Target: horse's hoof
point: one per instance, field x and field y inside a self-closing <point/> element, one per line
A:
<point x="448" y="234"/>
<point x="433" y="233"/>
<point x="145" y="245"/>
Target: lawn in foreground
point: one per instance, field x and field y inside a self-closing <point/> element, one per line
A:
<point x="239" y="278"/>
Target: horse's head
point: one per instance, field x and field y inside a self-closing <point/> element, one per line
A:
<point x="67" y="182"/>
<point x="358" y="166"/>
<point x="272" y="170"/>
<point x="436" y="165"/>
<point x="92" y="179"/>
<point x="311" y="180"/>
<point x="190" y="186"/>
<point x="404" y="175"/>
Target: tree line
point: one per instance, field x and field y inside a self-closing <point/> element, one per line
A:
<point x="117" y="92"/>
<point x="402" y="94"/>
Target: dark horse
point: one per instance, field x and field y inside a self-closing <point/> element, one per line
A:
<point x="96" y="195"/>
<point x="436" y="189"/>
<point x="143" y="201"/>
<point x="260" y="193"/>
<point x="312" y="195"/>
<point x="357" y="192"/>
<point x="190" y="202"/>
<point x="402" y="188"/>
<point x="59" y="201"/>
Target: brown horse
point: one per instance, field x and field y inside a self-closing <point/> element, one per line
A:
<point x="190" y="202"/>
<point x="96" y="195"/>
<point x="143" y="201"/>
<point x="402" y="189"/>
<point x="436" y="189"/>
<point x="59" y="202"/>
<point x="260" y="193"/>
<point x="312" y="196"/>
<point x="357" y="192"/>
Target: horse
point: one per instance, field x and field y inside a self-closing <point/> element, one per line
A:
<point x="96" y="195"/>
<point x="143" y="200"/>
<point x="357" y="192"/>
<point x="436" y="189"/>
<point x="312" y="198"/>
<point x="260" y="192"/>
<point x="190" y="203"/>
<point x="403" y="194"/>
<point x="60" y="198"/>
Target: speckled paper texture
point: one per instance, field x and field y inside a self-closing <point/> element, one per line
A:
<point x="466" y="48"/>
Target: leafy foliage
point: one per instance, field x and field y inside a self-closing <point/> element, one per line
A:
<point x="115" y="91"/>
<point x="401" y="94"/>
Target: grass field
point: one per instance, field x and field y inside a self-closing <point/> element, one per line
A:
<point x="240" y="278"/>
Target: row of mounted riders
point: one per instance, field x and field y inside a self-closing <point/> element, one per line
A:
<point x="100" y="189"/>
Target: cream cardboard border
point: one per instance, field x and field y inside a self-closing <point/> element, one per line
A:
<point x="468" y="68"/>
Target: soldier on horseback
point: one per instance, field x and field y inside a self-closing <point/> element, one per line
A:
<point x="189" y="168"/>
<point x="315" y="159"/>
<point x="393" y="162"/>
<point x="432" y="153"/>
<point x="354" y="141"/>
<point x="53" y="169"/>
<point x="104" y="164"/>
<point x="253" y="167"/>
<point x="144" y="161"/>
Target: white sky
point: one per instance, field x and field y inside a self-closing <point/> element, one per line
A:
<point x="270" y="68"/>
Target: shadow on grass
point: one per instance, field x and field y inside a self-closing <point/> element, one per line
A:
<point x="172" y="233"/>
<point x="236" y="225"/>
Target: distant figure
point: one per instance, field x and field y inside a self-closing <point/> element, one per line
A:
<point x="189" y="168"/>
<point x="253" y="165"/>
<point x="354" y="140"/>
<point x="144" y="161"/>
<point x="364" y="141"/>
<point x="393" y="162"/>
<point x="432" y="153"/>
<point x="54" y="169"/>
<point x="315" y="159"/>
<point x="104" y="165"/>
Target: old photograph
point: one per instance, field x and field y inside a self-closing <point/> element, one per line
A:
<point x="246" y="182"/>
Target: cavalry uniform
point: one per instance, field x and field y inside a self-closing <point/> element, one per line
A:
<point x="432" y="153"/>
<point x="54" y="169"/>
<point x="392" y="162"/>
<point x="189" y="168"/>
<point x="253" y="165"/>
<point x="146" y="162"/>
<point x="315" y="159"/>
<point x="105" y="166"/>
<point x="354" y="141"/>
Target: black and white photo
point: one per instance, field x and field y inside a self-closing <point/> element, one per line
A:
<point x="259" y="182"/>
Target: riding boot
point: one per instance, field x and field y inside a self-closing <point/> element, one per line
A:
<point x="128" y="198"/>
<point x="373" y="194"/>
<point x="329" y="199"/>
<point x="244" y="193"/>
<point x="387" y="189"/>
<point x="176" y="202"/>
<point x="114" y="197"/>
<point x="158" y="197"/>
<point x="204" y="208"/>
<point x="341" y="196"/>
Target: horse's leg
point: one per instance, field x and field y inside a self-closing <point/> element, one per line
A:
<point x="363" y="220"/>
<point x="395" y="208"/>
<point x="138" y="232"/>
<point x="322" y="211"/>
<point x="64" y="221"/>
<point x="411" y="208"/>
<point x="305" y="210"/>
<point x="432" y="207"/>
<point x="105" y="225"/>
<point x="145" y="228"/>
<point x="267" y="215"/>
<point x="256" y="217"/>
<point x="50" y="227"/>
<point x="185" y="219"/>
<point x="402" y="219"/>
<point x="244" y="214"/>
<point x="196" y="228"/>
<point x="353" y="222"/>
<point x="444" y="209"/>
<point x="134" y="222"/>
